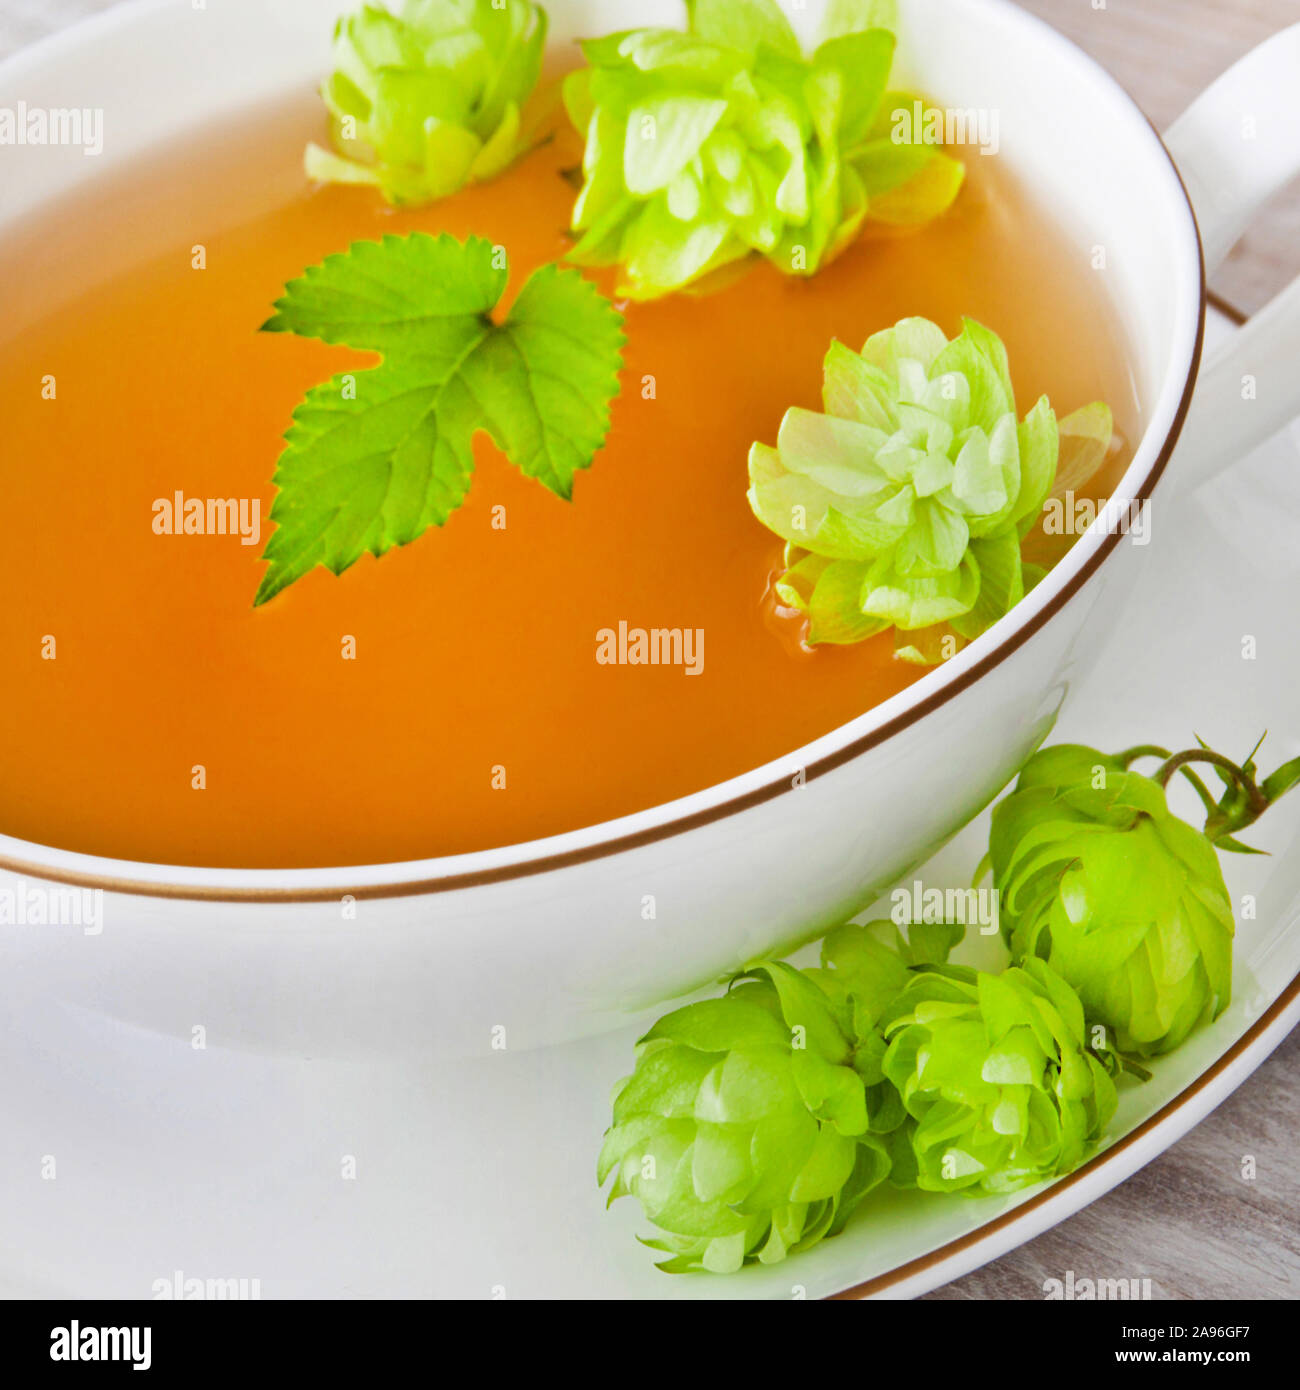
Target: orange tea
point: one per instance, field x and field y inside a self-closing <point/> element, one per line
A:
<point x="531" y="667"/>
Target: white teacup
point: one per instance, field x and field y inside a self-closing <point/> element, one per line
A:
<point x="569" y="935"/>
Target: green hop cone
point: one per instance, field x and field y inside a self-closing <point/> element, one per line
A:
<point x="1123" y="898"/>
<point x="904" y="504"/>
<point x="749" y="1129"/>
<point x="995" y="1073"/>
<point x="428" y="100"/>
<point x="705" y="147"/>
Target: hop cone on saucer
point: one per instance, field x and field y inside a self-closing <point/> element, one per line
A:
<point x="428" y="100"/>
<point x="1124" y="899"/>
<point x="706" y="147"/>
<point x="996" y="1076"/>
<point x="904" y="502"/>
<point x="749" y="1129"/>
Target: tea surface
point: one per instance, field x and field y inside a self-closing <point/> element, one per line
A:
<point x="447" y="697"/>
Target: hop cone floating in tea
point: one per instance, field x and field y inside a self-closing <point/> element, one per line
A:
<point x="996" y="1075"/>
<point x="904" y="504"/>
<point x="1122" y="897"/>
<point x="707" y="146"/>
<point x="748" y="1130"/>
<point x="428" y="100"/>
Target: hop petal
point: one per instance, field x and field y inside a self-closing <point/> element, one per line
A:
<point x="708" y="146"/>
<point x="909" y="497"/>
<point x="1122" y="898"/>
<point x="996" y="1078"/>
<point x="428" y="100"/>
<point x="751" y="1126"/>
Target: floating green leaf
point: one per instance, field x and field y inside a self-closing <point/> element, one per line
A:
<point x="374" y="458"/>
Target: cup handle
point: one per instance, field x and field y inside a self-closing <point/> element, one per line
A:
<point x="1238" y="143"/>
<point x="1236" y="146"/>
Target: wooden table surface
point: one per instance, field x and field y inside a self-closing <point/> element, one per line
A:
<point x="1187" y="1221"/>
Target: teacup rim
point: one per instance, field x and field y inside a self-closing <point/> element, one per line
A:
<point x="605" y="839"/>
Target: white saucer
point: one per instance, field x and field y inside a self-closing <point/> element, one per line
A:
<point x="477" y="1180"/>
